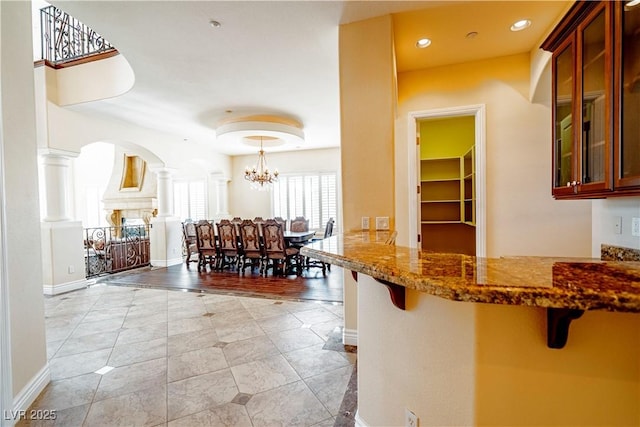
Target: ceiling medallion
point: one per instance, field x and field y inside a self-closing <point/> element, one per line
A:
<point x="275" y="130"/>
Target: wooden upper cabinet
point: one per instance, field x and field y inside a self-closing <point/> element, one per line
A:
<point x="627" y="81"/>
<point x="582" y="68"/>
<point x="596" y="101"/>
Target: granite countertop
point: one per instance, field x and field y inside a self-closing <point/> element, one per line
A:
<point x="568" y="283"/>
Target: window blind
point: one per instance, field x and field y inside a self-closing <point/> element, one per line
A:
<point x="313" y="196"/>
<point x="189" y="200"/>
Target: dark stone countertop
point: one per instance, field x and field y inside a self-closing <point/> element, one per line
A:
<point x="569" y="283"/>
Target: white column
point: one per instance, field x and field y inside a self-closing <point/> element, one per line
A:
<point x="165" y="192"/>
<point x="56" y="164"/>
<point x="166" y="230"/>
<point x="221" y="185"/>
<point x="61" y="236"/>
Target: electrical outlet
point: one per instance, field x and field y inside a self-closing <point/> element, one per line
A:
<point x="365" y="222"/>
<point x="410" y="419"/>
<point x="71" y="269"/>
<point x="635" y="227"/>
<point x="382" y="223"/>
<point x="617" y="224"/>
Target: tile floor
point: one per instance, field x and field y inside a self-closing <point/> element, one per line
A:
<point x="138" y="356"/>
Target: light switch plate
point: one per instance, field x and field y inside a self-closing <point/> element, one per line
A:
<point x="365" y="222"/>
<point x="635" y="227"/>
<point x="382" y="223"/>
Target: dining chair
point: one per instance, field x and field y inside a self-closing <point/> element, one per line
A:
<point x="281" y="221"/>
<point x="299" y="223"/>
<point x="206" y="244"/>
<point x="311" y="262"/>
<point x="277" y="255"/>
<point x="228" y="240"/>
<point x="189" y="242"/>
<point x="252" y="248"/>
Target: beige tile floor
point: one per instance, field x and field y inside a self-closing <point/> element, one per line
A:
<point x="139" y="356"/>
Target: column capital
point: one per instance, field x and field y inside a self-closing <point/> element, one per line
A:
<point x="55" y="152"/>
<point x="163" y="171"/>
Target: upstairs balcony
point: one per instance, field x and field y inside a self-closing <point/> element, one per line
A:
<point x="77" y="64"/>
<point x="66" y="41"/>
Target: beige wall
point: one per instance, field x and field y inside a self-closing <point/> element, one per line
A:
<point x="367" y="107"/>
<point x="461" y="364"/>
<point x="19" y="167"/>
<point x="522" y="217"/>
<point x="73" y="85"/>
<point x="248" y="203"/>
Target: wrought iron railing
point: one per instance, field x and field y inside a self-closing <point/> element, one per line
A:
<point x="113" y="249"/>
<point x="65" y="39"/>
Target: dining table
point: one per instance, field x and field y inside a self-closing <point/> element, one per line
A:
<point x="298" y="238"/>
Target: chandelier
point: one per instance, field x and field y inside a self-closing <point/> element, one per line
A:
<point x="259" y="175"/>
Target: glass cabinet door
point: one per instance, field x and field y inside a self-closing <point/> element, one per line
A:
<point x="595" y="96"/>
<point x="564" y="139"/>
<point x="628" y="145"/>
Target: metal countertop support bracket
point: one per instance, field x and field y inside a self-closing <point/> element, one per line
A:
<point x="558" y="322"/>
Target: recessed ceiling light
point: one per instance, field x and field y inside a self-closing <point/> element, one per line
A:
<point x="521" y="25"/>
<point x="215" y="24"/>
<point x="422" y="43"/>
<point x="472" y="35"/>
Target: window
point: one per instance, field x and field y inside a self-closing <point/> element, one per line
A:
<point x="312" y="196"/>
<point x="189" y="200"/>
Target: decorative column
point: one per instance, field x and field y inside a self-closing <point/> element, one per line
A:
<point x="165" y="192"/>
<point x="221" y="197"/>
<point x="63" y="266"/>
<point x="56" y="165"/>
<point x="166" y="230"/>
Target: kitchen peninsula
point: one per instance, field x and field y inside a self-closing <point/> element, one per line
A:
<point x="461" y="340"/>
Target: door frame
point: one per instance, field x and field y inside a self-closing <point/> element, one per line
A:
<point x="479" y="113"/>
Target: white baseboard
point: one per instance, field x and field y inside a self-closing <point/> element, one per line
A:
<point x="359" y="422"/>
<point x="65" y="287"/>
<point x="166" y="262"/>
<point x="32" y="390"/>
<point x="350" y="337"/>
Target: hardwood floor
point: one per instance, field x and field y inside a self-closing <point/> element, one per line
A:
<point x="312" y="285"/>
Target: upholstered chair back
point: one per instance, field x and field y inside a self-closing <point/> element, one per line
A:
<point x="205" y="236"/>
<point x="227" y="235"/>
<point x="250" y="236"/>
<point x="282" y="221"/>
<point x="273" y="235"/>
<point x="189" y="231"/>
<point x="299" y="223"/>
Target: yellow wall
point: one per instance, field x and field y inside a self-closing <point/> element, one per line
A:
<point x="367" y="111"/>
<point x="447" y="137"/>
<point x="367" y="107"/>
<point x="522" y="217"/>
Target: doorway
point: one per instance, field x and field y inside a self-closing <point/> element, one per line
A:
<point x="447" y="212"/>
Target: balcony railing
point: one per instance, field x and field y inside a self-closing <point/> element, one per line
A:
<point x="65" y="39"/>
<point x="113" y="249"/>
